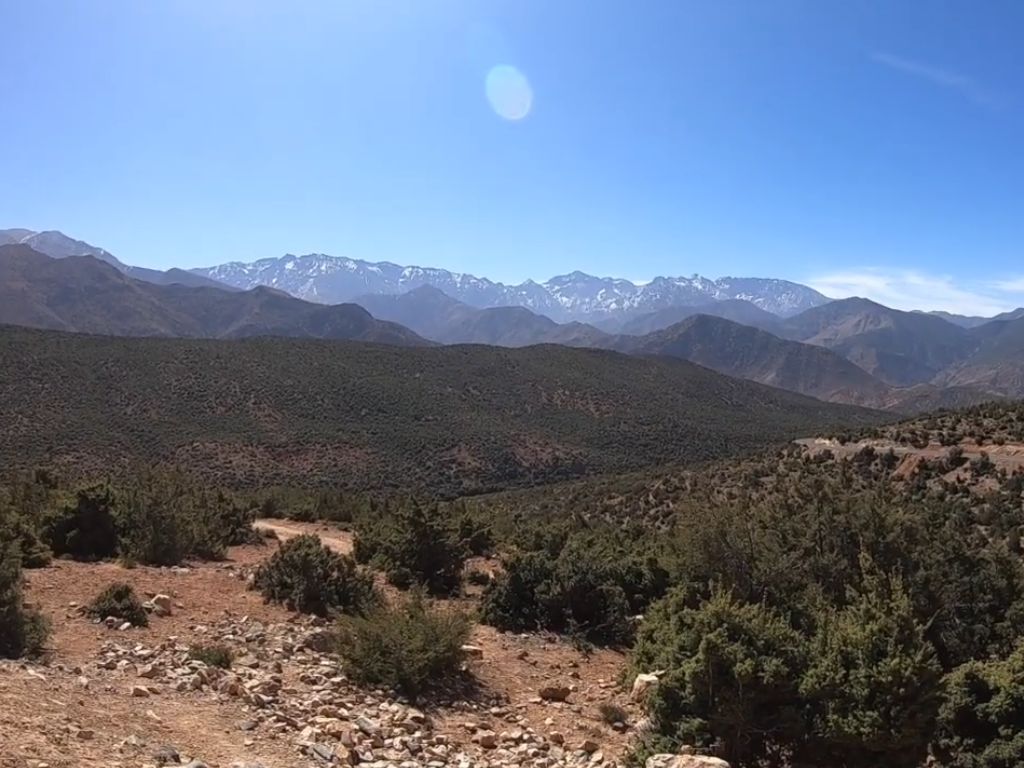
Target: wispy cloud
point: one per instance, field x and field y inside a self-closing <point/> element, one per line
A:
<point x="912" y="289"/>
<point x="943" y="78"/>
<point x="1011" y="285"/>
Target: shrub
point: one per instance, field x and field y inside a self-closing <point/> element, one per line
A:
<point x="151" y="531"/>
<point x="732" y="672"/>
<point x="409" y="646"/>
<point x="84" y="526"/>
<point x="215" y="655"/>
<point x="413" y="546"/>
<point x="308" y="577"/>
<point x="23" y="631"/>
<point x="873" y="681"/>
<point x="589" y="589"/>
<point x="981" y="720"/>
<point x="119" y="600"/>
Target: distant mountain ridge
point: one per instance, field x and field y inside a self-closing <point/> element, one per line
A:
<point x="86" y="295"/>
<point x="575" y="296"/>
<point x="57" y="245"/>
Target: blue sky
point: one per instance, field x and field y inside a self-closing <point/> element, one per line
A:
<point x="863" y="147"/>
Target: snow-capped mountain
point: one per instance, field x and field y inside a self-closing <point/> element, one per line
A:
<point x="56" y="244"/>
<point x="576" y="296"/>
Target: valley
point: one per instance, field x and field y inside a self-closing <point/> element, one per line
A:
<point x="851" y="351"/>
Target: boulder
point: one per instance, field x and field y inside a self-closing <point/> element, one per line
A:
<point x="161" y="605"/>
<point x="684" y="761"/>
<point x="644" y="683"/>
<point x="554" y="692"/>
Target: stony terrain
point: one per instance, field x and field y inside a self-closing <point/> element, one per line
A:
<point x="133" y="697"/>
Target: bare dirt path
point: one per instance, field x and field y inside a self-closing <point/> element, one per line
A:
<point x="333" y="538"/>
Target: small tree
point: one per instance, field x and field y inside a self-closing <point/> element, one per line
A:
<point x="981" y="720"/>
<point x="84" y="526"/>
<point x="23" y="631"/>
<point x="308" y="577"/>
<point x="873" y="680"/>
<point x="409" y="646"/>
<point x="732" y="672"/>
<point x="413" y="546"/>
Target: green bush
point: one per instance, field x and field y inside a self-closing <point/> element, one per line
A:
<point x="413" y="545"/>
<point x="216" y="655"/>
<point x="589" y="588"/>
<point x="119" y="600"/>
<point x="872" y="684"/>
<point x="732" y="673"/>
<point x="84" y="525"/>
<point x="409" y="647"/>
<point x="308" y="577"/>
<point x="151" y="530"/>
<point x="981" y="720"/>
<point x="23" y="631"/>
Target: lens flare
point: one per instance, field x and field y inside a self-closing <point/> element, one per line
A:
<point x="509" y="92"/>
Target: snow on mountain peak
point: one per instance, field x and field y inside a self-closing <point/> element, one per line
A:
<point x="574" y="296"/>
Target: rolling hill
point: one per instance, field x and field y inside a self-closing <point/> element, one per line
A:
<point x="449" y="420"/>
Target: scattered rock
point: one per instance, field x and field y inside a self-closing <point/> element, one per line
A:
<point x="554" y="692"/>
<point x="684" y="761"/>
<point x="167" y="755"/>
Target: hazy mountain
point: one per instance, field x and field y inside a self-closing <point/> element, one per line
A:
<point x="57" y="245"/>
<point x="900" y="348"/>
<point x="576" y="296"/>
<point x="973" y="321"/>
<point x="83" y="294"/>
<point x="751" y="353"/>
<point x="997" y="364"/>
<point x="436" y="316"/>
<point x="737" y="310"/>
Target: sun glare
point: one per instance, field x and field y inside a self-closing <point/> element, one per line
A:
<point x="509" y="92"/>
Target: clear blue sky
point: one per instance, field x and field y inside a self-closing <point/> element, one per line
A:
<point x="874" y="147"/>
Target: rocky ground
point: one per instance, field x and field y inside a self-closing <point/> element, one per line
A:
<point x="132" y="697"/>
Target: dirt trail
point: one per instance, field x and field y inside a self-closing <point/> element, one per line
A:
<point x="333" y="538"/>
<point x="1009" y="456"/>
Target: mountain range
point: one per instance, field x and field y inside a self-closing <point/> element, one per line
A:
<point x="576" y="296"/>
<point x="86" y="295"/>
<point x="849" y="350"/>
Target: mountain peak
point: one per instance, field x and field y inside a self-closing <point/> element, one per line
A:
<point x="575" y="296"/>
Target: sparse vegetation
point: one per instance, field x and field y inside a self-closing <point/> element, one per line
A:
<point x="308" y="577"/>
<point x="410" y="646"/>
<point x="212" y="655"/>
<point x="120" y="601"/>
<point x="446" y="422"/>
